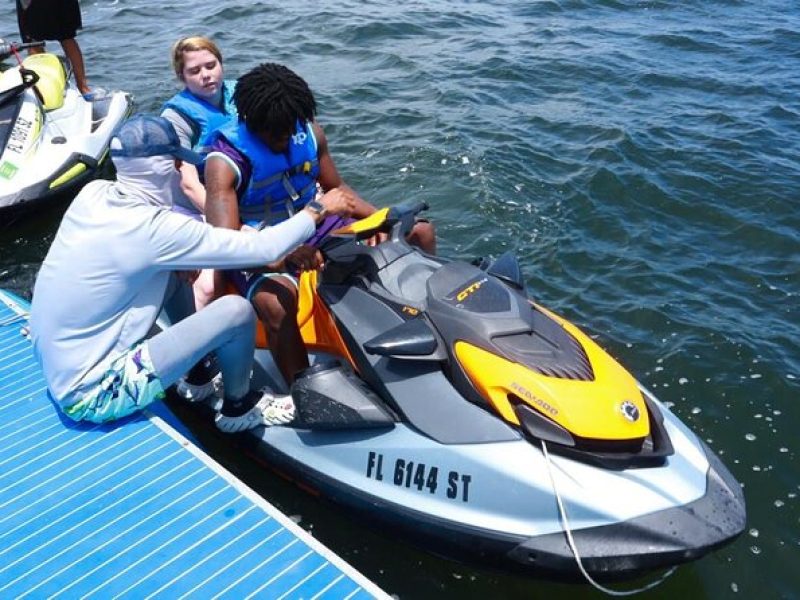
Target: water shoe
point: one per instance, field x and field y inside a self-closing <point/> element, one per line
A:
<point x="254" y="410"/>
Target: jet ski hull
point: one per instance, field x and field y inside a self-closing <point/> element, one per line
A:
<point x="462" y="510"/>
<point x="493" y="503"/>
<point x="39" y="195"/>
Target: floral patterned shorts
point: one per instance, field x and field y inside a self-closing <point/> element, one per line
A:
<point x="129" y="385"/>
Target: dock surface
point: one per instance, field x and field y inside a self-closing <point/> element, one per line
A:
<point x="133" y="509"/>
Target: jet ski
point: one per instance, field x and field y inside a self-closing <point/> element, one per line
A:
<point x="52" y="140"/>
<point x="445" y="403"/>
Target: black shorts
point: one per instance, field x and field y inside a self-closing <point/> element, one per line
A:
<point x="49" y="20"/>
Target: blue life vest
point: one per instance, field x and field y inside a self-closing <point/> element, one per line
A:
<point x="204" y="118"/>
<point x="280" y="184"/>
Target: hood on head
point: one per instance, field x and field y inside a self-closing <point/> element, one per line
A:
<point x="152" y="179"/>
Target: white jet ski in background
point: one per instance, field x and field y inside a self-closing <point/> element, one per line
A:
<point x="52" y="140"/>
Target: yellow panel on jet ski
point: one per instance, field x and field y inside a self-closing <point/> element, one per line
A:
<point x="367" y="224"/>
<point x="68" y="175"/>
<point x="52" y="78"/>
<point x="315" y="322"/>
<point x="601" y="409"/>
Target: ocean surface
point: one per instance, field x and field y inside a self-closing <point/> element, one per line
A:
<point x="642" y="158"/>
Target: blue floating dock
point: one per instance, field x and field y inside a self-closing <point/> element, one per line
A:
<point x="134" y="509"/>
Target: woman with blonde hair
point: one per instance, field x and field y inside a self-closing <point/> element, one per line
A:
<point x="203" y="106"/>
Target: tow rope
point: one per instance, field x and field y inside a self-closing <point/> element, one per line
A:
<point x="16" y="55"/>
<point x="562" y="512"/>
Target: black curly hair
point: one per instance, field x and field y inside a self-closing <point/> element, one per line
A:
<point x="272" y="98"/>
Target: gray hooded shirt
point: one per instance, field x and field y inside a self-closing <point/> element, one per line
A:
<point x="103" y="281"/>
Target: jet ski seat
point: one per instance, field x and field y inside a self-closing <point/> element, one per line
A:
<point x="407" y="277"/>
<point x="52" y="78"/>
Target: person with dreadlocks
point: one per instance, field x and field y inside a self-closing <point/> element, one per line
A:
<point x="261" y="170"/>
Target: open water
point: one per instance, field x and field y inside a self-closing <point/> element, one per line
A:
<point x="641" y="157"/>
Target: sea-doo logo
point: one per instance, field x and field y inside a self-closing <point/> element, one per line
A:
<point x="470" y="289"/>
<point x="299" y="138"/>
<point x="630" y="411"/>
<point x="528" y="395"/>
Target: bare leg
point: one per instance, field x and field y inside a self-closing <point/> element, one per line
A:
<point x="423" y="235"/>
<point x="204" y="289"/>
<point x="276" y="305"/>
<point x="73" y="53"/>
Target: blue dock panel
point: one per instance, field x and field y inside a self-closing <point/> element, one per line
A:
<point x="133" y="509"/>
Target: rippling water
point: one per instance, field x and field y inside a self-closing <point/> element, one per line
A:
<point x="643" y="160"/>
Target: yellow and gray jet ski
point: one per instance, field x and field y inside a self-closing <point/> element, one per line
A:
<point x="52" y="140"/>
<point x="446" y="404"/>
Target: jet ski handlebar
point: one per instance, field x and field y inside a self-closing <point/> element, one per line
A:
<point x="401" y="218"/>
<point x="9" y="48"/>
<point x="397" y="221"/>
